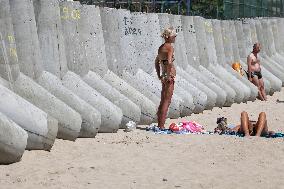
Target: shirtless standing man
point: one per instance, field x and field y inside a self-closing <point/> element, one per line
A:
<point x="254" y="71"/>
<point x="164" y="61"/>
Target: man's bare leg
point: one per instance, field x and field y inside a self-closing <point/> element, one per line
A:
<point x="261" y="125"/>
<point x="245" y="123"/>
<point x="262" y="90"/>
<point x="255" y="81"/>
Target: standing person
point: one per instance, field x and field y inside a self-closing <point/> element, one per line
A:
<point x="254" y="71"/>
<point x="164" y="63"/>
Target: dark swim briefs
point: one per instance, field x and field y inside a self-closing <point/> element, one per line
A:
<point x="258" y="74"/>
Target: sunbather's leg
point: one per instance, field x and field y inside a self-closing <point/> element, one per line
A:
<point x="245" y="124"/>
<point x="261" y="125"/>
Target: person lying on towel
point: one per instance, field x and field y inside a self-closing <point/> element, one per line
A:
<point x="246" y="128"/>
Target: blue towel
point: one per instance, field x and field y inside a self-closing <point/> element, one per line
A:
<point x="155" y="129"/>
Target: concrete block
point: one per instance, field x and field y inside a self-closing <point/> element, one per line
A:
<point x="111" y="115"/>
<point x="91" y="118"/>
<point x="50" y="34"/>
<point x="69" y="121"/>
<point x="245" y="46"/>
<point x="41" y="128"/>
<point x="131" y="112"/>
<point x="206" y="62"/>
<point x="148" y="108"/>
<point x="13" y="140"/>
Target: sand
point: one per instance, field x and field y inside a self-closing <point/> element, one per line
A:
<point x="141" y="159"/>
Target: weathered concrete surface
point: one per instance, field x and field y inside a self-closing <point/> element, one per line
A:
<point x="113" y="47"/>
<point x="52" y="47"/>
<point x="13" y="140"/>
<point x="30" y="62"/>
<point x="78" y="35"/>
<point x="270" y="50"/>
<point x="199" y="97"/>
<point x="91" y="118"/>
<point x="26" y="39"/>
<point x="9" y="69"/>
<point x="242" y="91"/>
<point x="268" y="75"/>
<point x="280" y="38"/>
<point x="206" y="66"/>
<point x="41" y="128"/>
<point x="111" y="115"/>
<point x="277" y="37"/>
<point x="245" y="46"/>
<point x="148" y="108"/>
<point x="98" y="64"/>
<point x="145" y="49"/>
<point x="87" y="31"/>
<point x="267" y="62"/>
<point x="243" y="41"/>
<point x="215" y="94"/>
<point x="266" y="53"/>
<point x="226" y="56"/>
<point x="142" y="81"/>
<point x="131" y="112"/>
<point x="69" y="121"/>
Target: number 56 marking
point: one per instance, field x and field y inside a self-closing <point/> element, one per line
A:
<point x="70" y="13"/>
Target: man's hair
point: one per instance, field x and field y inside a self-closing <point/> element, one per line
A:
<point x="256" y="44"/>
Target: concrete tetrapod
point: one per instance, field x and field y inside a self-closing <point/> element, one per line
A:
<point x="225" y="56"/>
<point x="245" y="91"/>
<point x="43" y="140"/>
<point x="69" y="121"/>
<point x="244" y="44"/>
<point x="270" y="50"/>
<point x="85" y="55"/>
<point x="277" y="37"/>
<point x="201" y="100"/>
<point x="149" y="44"/>
<point x="213" y="67"/>
<point x="257" y="34"/>
<point x="41" y="128"/>
<point x="192" y="72"/>
<point x="54" y="60"/>
<point x="206" y="66"/>
<point x="236" y="56"/>
<point x="112" y="36"/>
<point x="75" y="52"/>
<point x="243" y="61"/>
<point x="180" y="104"/>
<point x="250" y="37"/>
<point x="145" y="50"/>
<point x="147" y="108"/>
<point x="267" y="62"/>
<point x="13" y="141"/>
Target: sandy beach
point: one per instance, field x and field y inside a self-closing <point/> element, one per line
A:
<point x="141" y="159"/>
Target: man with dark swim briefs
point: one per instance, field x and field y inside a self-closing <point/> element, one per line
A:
<point x="164" y="63"/>
<point x="254" y="71"/>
